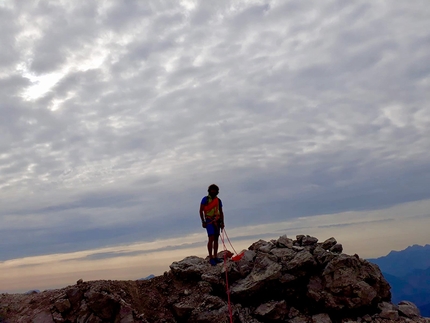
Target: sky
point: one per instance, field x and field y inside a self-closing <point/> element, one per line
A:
<point x="312" y="117"/>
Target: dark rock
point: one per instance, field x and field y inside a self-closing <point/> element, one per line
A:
<point x="321" y="318"/>
<point x="284" y="242"/>
<point x="326" y="245"/>
<point x="309" y="241"/>
<point x="74" y="295"/>
<point x="299" y="238"/>
<point x="273" y="311"/>
<point x="300" y="264"/>
<point x="183" y="309"/>
<point x="62" y="305"/>
<point x="347" y="282"/>
<point x="256" y="245"/>
<point x="102" y="304"/>
<point x="43" y="317"/>
<point x="337" y="248"/>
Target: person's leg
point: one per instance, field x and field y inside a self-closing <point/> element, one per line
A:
<point x="210" y="245"/>
<point x="215" y="244"/>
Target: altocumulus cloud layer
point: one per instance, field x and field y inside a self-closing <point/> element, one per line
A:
<point x="117" y="115"/>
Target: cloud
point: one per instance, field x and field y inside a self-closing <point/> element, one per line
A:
<point x="116" y="116"/>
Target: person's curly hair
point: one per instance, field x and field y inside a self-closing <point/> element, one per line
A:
<point x="213" y="187"/>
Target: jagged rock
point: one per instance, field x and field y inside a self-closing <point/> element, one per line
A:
<point x="330" y="242"/>
<point x="284" y="254"/>
<point x="408" y="309"/>
<point x="348" y="282"/>
<point x="309" y="241"/>
<point x="256" y="245"/>
<point x="183" y="309"/>
<point x="266" y="247"/>
<point x="190" y="267"/>
<point x="337" y="248"/>
<point x="298" y="248"/>
<point x="126" y="315"/>
<point x="74" y="295"/>
<point x="264" y="271"/>
<point x="388" y="311"/>
<point x="220" y="316"/>
<point x="284" y="242"/>
<point x="62" y="305"/>
<point x="246" y="263"/>
<point x="102" y="304"/>
<point x="274" y="310"/>
<point x="299" y="239"/>
<point x="43" y="317"/>
<point x="300" y="319"/>
<point x="322" y="256"/>
<point x="301" y="262"/>
<point x="321" y="318"/>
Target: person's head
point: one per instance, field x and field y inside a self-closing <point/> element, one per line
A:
<point x="213" y="190"/>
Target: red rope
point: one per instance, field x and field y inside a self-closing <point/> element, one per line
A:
<point x="229" y="241"/>
<point x="230" y="312"/>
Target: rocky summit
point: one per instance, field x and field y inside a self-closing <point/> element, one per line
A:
<point x="285" y="280"/>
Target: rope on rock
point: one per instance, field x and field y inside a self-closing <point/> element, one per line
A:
<point x="230" y="312"/>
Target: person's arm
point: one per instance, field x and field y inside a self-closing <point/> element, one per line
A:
<point x="221" y="213"/>
<point x="202" y="215"/>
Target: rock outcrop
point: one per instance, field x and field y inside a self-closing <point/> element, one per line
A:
<point x="284" y="280"/>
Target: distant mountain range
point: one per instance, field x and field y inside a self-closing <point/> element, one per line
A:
<point x="408" y="272"/>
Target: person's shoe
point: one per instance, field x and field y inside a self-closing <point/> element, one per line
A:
<point x="213" y="262"/>
<point x="219" y="260"/>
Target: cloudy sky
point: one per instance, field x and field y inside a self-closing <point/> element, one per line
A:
<point x="312" y="117"/>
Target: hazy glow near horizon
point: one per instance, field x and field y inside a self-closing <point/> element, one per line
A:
<point x="369" y="234"/>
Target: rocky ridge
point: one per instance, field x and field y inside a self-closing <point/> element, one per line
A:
<point x="283" y="280"/>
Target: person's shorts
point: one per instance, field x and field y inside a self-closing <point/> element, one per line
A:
<point x="212" y="227"/>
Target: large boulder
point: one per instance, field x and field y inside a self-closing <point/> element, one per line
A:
<point x="265" y="270"/>
<point x="348" y="282"/>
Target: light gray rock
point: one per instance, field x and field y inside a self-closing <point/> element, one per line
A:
<point x="409" y="309"/>
<point x="284" y="242"/>
<point x="256" y="245"/>
<point x="190" y="267"/>
<point x="264" y="271"/>
<point x="246" y="263"/>
<point x="266" y="247"/>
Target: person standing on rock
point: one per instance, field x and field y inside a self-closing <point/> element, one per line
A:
<point x="213" y="220"/>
